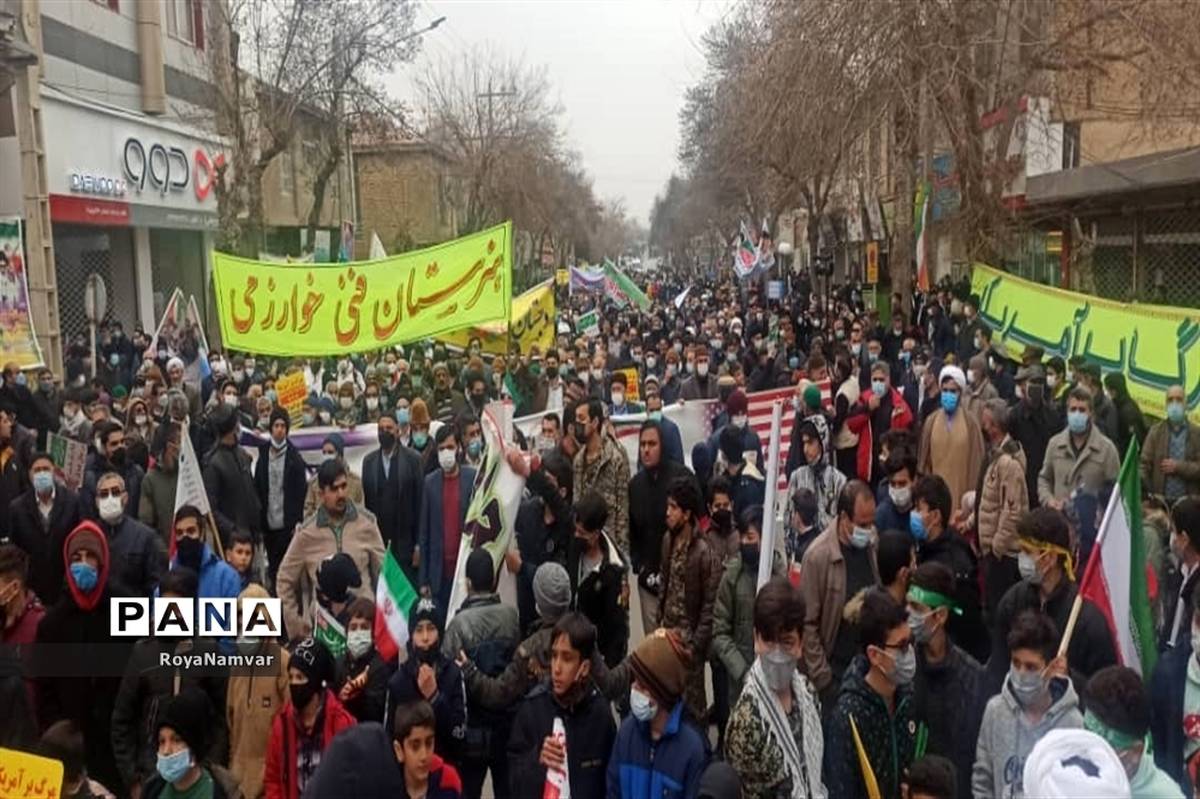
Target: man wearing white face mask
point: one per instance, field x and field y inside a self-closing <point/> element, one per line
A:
<point x="700" y="384"/>
<point x="876" y="698"/>
<point x="1036" y="698"/>
<point x="447" y="496"/>
<point x="138" y="557"/>
<point x="281" y="482"/>
<point x="1048" y="584"/>
<point x="763" y="744"/>
<point x="655" y="744"/>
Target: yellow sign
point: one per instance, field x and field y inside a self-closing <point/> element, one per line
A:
<point x="631" y="383"/>
<point x="1154" y="346"/>
<point x="292" y="390"/>
<point x="26" y="776"/>
<point x="872" y="262"/>
<point x="322" y="309"/>
<point x="562" y="277"/>
<point x="532" y="325"/>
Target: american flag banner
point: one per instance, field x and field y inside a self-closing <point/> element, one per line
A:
<point x="759" y="419"/>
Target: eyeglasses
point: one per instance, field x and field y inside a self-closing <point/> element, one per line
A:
<point x="106" y="493"/>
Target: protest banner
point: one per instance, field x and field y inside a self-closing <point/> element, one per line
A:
<point x="169" y="321"/>
<point x="1154" y="346"/>
<point x="26" y="776"/>
<point x="292" y="390"/>
<point x="322" y="309"/>
<point x="329" y="631"/>
<point x="562" y="276"/>
<point x="620" y="283"/>
<point x="493" y="509"/>
<point x="587" y="279"/>
<point x="589" y="324"/>
<point x="69" y="458"/>
<point x="18" y="342"/>
<point x="531" y="324"/>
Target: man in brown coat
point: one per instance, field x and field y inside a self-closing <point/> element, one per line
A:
<point x="691" y="572"/>
<point x="1003" y="497"/>
<point x="837" y="567"/>
<point x="1171" y="455"/>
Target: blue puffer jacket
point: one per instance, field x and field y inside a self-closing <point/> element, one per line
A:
<point x="218" y="580"/>
<point x="669" y="768"/>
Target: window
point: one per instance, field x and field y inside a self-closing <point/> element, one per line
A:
<point x="112" y="5"/>
<point x="287" y="182"/>
<point x="185" y="21"/>
<point x="1070" y="145"/>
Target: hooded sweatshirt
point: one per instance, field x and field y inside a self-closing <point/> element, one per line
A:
<point x="1007" y="736"/>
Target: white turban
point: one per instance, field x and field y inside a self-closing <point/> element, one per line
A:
<point x="1069" y="763"/>
<point x="174" y="363"/>
<point x="955" y="374"/>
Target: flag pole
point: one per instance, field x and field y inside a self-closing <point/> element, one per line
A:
<point x="767" y="546"/>
<point x="1093" y="558"/>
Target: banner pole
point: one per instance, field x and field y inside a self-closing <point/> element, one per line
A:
<point x="767" y="546"/>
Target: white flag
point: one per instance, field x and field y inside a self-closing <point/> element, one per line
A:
<point x="682" y="296"/>
<point x="189" y="485"/>
<point x="377" y="250"/>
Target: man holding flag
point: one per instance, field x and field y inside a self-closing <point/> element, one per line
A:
<point x="1048" y="584"/>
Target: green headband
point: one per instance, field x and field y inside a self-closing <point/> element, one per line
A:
<point x="932" y="599"/>
<point x="1114" y="738"/>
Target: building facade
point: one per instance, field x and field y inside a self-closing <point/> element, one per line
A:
<point x="407" y="194"/>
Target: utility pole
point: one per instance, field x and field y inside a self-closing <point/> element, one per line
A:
<point x="490" y="95"/>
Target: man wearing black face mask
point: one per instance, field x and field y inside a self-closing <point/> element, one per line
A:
<point x="111" y="459"/>
<point x="429" y="675"/>
<point x="393" y="482"/>
<point x="1034" y="421"/>
<point x="218" y="580"/>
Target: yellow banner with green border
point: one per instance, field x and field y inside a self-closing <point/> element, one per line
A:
<point x="1154" y="346"/>
<point x="323" y="309"/>
<point x="531" y="324"/>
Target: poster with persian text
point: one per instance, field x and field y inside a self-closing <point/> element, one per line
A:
<point x="18" y="343"/>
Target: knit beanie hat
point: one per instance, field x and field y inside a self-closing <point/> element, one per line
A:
<point x="336" y="575"/>
<point x="812" y="396"/>
<point x="425" y="609"/>
<point x="418" y="413"/>
<point x="190" y="714"/>
<point x="737" y="404"/>
<point x="660" y="664"/>
<point x="313" y="660"/>
<point x="338" y="442"/>
<point x="481" y="572"/>
<point x="551" y="591"/>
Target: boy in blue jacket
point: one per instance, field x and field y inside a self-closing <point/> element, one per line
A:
<point x="656" y="753"/>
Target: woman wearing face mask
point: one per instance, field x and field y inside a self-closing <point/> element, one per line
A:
<point x="1036" y="698"/>
<point x="949" y="689"/>
<point x="373" y="405"/>
<point x="877" y="695"/>
<point x="654" y="745"/>
<point x="184" y="736"/>
<point x="774" y="739"/>
<point x="138" y="420"/>
<point x="364" y="673"/>
<point x="349" y="409"/>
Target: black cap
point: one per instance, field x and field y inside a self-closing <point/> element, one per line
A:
<point x="336" y="575"/>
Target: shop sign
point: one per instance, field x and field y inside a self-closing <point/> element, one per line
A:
<point x="99" y="185"/>
<point x="162" y="168"/>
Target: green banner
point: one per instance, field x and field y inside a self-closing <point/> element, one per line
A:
<point x="322" y="309"/>
<point x="1154" y="346"/>
<point x="626" y="286"/>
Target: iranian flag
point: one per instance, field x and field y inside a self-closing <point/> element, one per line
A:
<point x="745" y="256"/>
<point x="1116" y="578"/>
<point x="920" y="220"/>
<point x="394" y="596"/>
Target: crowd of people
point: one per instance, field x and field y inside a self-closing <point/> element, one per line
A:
<point x="942" y="499"/>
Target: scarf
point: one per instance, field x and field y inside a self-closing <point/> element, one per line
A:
<point x="778" y="727"/>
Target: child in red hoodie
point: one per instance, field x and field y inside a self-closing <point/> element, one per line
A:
<point x="305" y="725"/>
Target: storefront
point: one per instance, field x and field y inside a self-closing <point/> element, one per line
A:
<point x="131" y="199"/>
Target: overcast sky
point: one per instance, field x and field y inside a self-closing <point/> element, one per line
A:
<point x="619" y="67"/>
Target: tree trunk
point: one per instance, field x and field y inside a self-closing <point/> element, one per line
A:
<point x="320" y="184"/>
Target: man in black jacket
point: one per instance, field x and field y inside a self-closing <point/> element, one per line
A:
<point x="393" y="481"/>
<point x="227" y="478"/>
<point x="938" y="542"/>
<point x="16" y="450"/>
<point x="1048" y="583"/>
<point x="39" y="522"/>
<point x="545" y="526"/>
<point x="281" y="482"/>
<point x="1034" y="421"/>
<point x="147" y="685"/>
<point x="648" y="514"/>
<point x="139" y="557"/>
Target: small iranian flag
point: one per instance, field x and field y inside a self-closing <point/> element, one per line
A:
<point x="394" y="596"/>
<point x="745" y="257"/>
<point x="1115" y="579"/>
